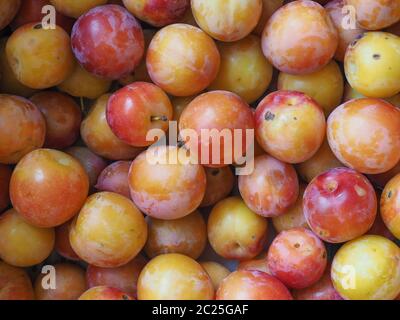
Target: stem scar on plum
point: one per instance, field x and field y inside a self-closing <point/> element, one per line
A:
<point x="215" y="172"/>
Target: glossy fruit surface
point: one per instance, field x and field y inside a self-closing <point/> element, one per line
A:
<point x="216" y="271"/>
<point x="48" y="187"/>
<point x="390" y="206"/>
<point x="340" y="205"/>
<point x="294" y="216"/>
<point x="21" y="244"/>
<point x="22" y="130"/>
<point x="91" y="162"/>
<point x="372" y="64"/>
<point x="108" y="41"/>
<point x="81" y="83"/>
<point x="323" y="289"/>
<point x="163" y="185"/>
<point x="62" y="244"/>
<point x="104" y="293"/>
<point x="268" y="9"/>
<point x="75" y="9"/>
<point x="174" y="277"/>
<point x="297" y="257"/>
<point x="290" y="126"/>
<point x="63" y="118"/>
<point x="300" y="38"/>
<point x="9" y="83"/>
<point x="133" y="111"/>
<point x="320" y="162"/>
<point x="158" y="12"/>
<point x="182" y="60"/>
<point x="236" y="232"/>
<point x="123" y="278"/>
<point x="97" y="134"/>
<point x="271" y="189"/>
<point x="376" y="14"/>
<point x="244" y="70"/>
<point x="210" y="116"/>
<point x="109" y="230"/>
<point x="364" y="134"/>
<point x="367" y="268"/>
<point x="187" y="235"/>
<point x="324" y="86"/>
<point x="114" y="178"/>
<point x="348" y="30"/>
<point x="40" y="58"/>
<point x="252" y="285"/>
<point x="227" y="20"/>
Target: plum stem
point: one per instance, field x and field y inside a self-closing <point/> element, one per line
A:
<point x="158" y="118"/>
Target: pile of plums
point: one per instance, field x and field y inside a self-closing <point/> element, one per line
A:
<point x="88" y="202"/>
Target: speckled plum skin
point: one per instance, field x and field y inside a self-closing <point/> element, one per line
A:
<point x="346" y="35"/>
<point x="63" y="118"/>
<point x="323" y="289"/>
<point x="97" y="134"/>
<point x="62" y="244"/>
<point x="364" y="134"/>
<point x="252" y="285"/>
<point x="130" y="112"/>
<point x="109" y="231"/>
<point x="22" y="130"/>
<point x="166" y="190"/>
<point x="182" y="60"/>
<point x="218" y="110"/>
<point x="108" y="41"/>
<point x="123" y="278"/>
<point x="290" y="126"/>
<point x="227" y="20"/>
<point x="158" y="12"/>
<point x="300" y="38"/>
<point x="187" y="235"/>
<point x="91" y="162"/>
<point x="376" y="14"/>
<point x="114" y="178"/>
<point x="174" y="277"/>
<point x="105" y="293"/>
<point x="271" y="189"/>
<point x="340" y="205"/>
<point x="297" y="257"/>
<point x="48" y="187"/>
<point x="390" y="206"/>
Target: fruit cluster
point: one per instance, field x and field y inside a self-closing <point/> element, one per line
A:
<point x="95" y="192"/>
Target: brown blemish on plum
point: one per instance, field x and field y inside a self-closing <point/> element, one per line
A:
<point x="269" y="116"/>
